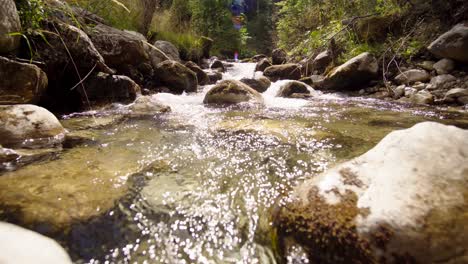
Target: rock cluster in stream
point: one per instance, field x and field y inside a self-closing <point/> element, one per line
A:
<point x="404" y="201"/>
<point x="443" y="80"/>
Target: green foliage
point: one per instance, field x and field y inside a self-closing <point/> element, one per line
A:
<point x="122" y="14"/>
<point x="307" y="25"/>
<point x="412" y="48"/>
<point x="31" y="13"/>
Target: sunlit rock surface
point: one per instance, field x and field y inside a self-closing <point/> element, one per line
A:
<point x="22" y="246"/>
<point x="404" y="200"/>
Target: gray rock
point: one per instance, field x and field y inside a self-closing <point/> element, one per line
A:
<point x="322" y="61"/>
<point x="9" y="23"/>
<point x="458" y="95"/>
<point x="259" y="57"/>
<point x="29" y="126"/>
<point x="427" y="65"/>
<point x="409" y="91"/>
<point x="444" y="66"/>
<point x="452" y="44"/>
<point x="403" y="199"/>
<point x="40" y="249"/>
<point x="292" y="87"/>
<point x="353" y="74"/>
<point x="217" y="64"/>
<point x="263" y="64"/>
<point x="103" y="88"/>
<point x="422" y="97"/>
<point x="169" y="49"/>
<point x="399" y="91"/>
<point x="176" y="77"/>
<point x="279" y="56"/>
<point x="147" y="105"/>
<point x="21" y="83"/>
<point x="419" y="86"/>
<point x="232" y="92"/>
<point x="202" y="77"/>
<point x="412" y="76"/>
<point x="214" y="77"/>
<point x="260" y="84"/>
<point x="288" y="71"/>
<point x="442" y="80"/>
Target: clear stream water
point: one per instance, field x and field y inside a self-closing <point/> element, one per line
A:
<point x="198" y="184"/>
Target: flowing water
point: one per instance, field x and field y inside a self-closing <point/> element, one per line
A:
<point x="196" y="185"/>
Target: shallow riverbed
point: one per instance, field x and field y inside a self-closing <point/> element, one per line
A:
<point x="198" y="184"/>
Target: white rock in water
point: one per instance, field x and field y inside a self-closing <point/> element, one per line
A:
<point x="405" y="199"/>
<point x="22" y="246"/>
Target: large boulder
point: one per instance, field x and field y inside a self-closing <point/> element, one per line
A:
<point x="232" y="92"/>
<point x="404" y="201"/>
<point x="292" y="87"/>
<point x="14" y="240"/>
<point x="262" y="64"/>
<point x="279" y="56"/>
<point x="9" y="23"/>
<point x="288" y="71"/>
<point x="147" y="106"/>
<point x="121" y="50"/>
<point x="353" y="74"/>
<point x="169" y="49"/>
<point x="20" y="83"/>
<point x="260" y="84"/>
<point x="176" y="77"/>
<point x="103" y="88"/>
<point x="453" y="44"/>
<point x="29" y="126"/>
<point x="412" y="76"/>
<point x="422" y="97"/>
<point x="202" y="77"/>
<point x="206" y="45"/>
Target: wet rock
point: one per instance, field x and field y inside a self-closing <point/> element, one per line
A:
<point x="217" y="64"/>
<point x="444" y="66"/>
<point x="288" y="71"/>
<point x="147" y="105"/>
<point x="353" y="74"/>
<point x="232" y="92"/>
<point x="457" y="95"/>
<point x="9" y="23"/>
<point x="40" y="249"/>
<point x="279" y="56"/>
<point x="169" y="49"/>
<point x="452" y="44"/>
<point x="259" y="57"/>
<point x="176" y="77"/>
<point x="214" y="77"/>
<point x="442" y="80"/>
<point x="401" y="201"/>
<point x="21" y="83"/>
<point x="29" y="126"/>
<point x="409" y="91"/>
<point x="7" y="155"/>
<point x="202" y="77"/>
<point x="412" y="76"/>
<point x="422" y="97"/>
<point x="262" y="64"/>
<point x="260" y="84"/>
<point x="292" y="87"/>
<point x="103" y="88"/>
